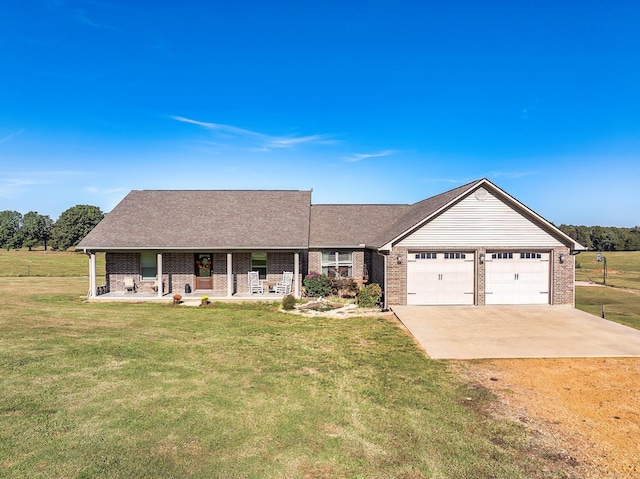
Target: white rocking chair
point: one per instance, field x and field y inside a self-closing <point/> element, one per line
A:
<point x="129" y="285"/>
<point x="284" y="286"/>
<point x="255" y="286"/>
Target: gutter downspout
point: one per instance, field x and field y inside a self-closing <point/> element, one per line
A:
<point x="385" y="305"/>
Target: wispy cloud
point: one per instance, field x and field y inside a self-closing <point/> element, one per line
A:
<point x="257" y="141"/>
<point x="289" y="141"/>
<point x="365" y="156"/>
<point x="14" y="182"/>
<point x="8" y="137"/>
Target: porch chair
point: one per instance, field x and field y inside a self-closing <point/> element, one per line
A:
<point x="284" y="286"/>
<point x="255" y="286"/>
<point x="129" y="285"/>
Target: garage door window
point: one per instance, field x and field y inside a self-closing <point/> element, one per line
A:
<point x="502" y="256"/>
<point x="426" y="255"/>
<point x="455" y="256"/>
<point x="530" y="256"/>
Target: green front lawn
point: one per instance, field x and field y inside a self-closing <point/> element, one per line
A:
<point x="623" y="268"/>
<point x="232" y="391"/>
<point x="620" y="305"/>
<point x="47" y="263"/>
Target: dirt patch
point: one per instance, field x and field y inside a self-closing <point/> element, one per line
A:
<point x="586" y="409"/>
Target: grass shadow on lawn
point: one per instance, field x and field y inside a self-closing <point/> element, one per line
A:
<point x="149" y="390"/>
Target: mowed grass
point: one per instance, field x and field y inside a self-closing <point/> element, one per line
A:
<point x="231" y="391"/>
<point x="621" y="306"/>
<point x="621" y="297"/>
<point x="47" y="263"/>
<point x="623" y="268"/>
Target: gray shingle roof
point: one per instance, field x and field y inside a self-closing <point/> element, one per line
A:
<point x="341" y="226"/>
<point x="205" y="219"/>
<point x="251" y="219"/>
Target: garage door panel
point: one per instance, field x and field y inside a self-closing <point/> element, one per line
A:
<point x="517" y="278"/>
<point x="435" y="280"/>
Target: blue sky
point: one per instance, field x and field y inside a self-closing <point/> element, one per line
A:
<point x="365" y="101"/>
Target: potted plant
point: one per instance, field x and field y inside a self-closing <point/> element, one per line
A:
<point x="204" y="300"/>
<point x="176" y="299"/>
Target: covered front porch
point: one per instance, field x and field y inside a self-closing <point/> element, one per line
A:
<point x="133" y="275"/>
<point x="189" y="299"/>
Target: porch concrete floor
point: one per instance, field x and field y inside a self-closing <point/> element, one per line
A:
<point x="187" y="298"/>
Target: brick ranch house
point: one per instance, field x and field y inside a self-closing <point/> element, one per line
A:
<point x="472" y="245"/>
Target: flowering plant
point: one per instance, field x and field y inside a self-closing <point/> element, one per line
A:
<point x="176" y="299"/>
<point x="317" y="285"/>
<point x="204" y="299"/>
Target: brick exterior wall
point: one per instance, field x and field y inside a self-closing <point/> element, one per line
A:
<point x="315" y="261"/>
<point x="119" y="266"/>
<point x="178" y="271"/>
<point x="562" y="275"/>
<point x="397" y="277"/>
<point x="481" y="277"/>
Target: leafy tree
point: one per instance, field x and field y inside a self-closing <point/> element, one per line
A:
<point x="36" y="229"/>
<point x="73" y="225"/>
<point x="10" y="235"/>
<point x="605" y="238"/>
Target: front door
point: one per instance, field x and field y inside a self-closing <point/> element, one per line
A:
<point x="203" y="267"/>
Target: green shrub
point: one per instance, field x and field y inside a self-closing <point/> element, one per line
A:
<point x="288" y="302"/>
<point x="343" y="287"/>
<point x="317" y="285"/>
<point x="370" y="295"/>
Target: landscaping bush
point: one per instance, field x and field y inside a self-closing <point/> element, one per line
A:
<point x="288" y="302"/>
<point x="369" y="296"/>
<point x="344" y="287"/>
<point x="317" y="285"/>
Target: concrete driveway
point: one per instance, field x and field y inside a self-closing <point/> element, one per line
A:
<point x="480" y="332"/>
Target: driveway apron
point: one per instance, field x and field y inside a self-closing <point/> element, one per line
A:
<point x="522" y="331"/>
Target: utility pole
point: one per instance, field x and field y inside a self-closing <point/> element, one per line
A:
<point x="604" y="270"/>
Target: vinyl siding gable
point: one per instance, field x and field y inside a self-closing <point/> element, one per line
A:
<point x="487" y="221"/>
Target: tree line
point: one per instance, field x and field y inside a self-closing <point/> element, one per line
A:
<point x="33" y="230"/>
<point x="605" y="238"/>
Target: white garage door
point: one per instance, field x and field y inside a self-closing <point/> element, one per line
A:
<point x="440" y="278"/>
<point x="517" y="278"/>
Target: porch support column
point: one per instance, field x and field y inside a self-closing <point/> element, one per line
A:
<point x="296" y="274"/>
<point x="160" y="289"/>
<point x="92" y="275"/>
<point x="229" y="275"/>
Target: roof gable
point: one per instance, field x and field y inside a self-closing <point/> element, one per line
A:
<point x="426" y="211"/>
